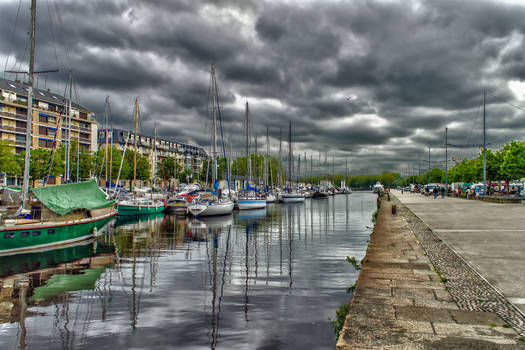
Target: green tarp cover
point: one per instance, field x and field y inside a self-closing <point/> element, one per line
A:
<point x="63" y="199"/>
<point x="61" y="283"/>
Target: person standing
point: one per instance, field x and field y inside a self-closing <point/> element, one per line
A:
<point x="442" y="192"/>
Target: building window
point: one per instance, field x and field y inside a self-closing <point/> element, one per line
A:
<point x="42" y="118"/>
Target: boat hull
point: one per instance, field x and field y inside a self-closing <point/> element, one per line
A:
<point x="245" y="204"/>
<point x="293" y="199"/>
<point x="177" y="208"/>
<point x="138" y="209"/>
<point x="22" y="238"/>
<point x="213" y="210"/>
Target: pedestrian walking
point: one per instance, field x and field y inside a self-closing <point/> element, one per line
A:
<point x="442" y="192"/>
<point x="435" y="192"/>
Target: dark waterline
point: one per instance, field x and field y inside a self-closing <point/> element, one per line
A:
<point x="255" y="280"/>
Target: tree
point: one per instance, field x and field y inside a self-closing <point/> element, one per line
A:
<point x="513" y="165"/>
<point x="85" y="161"/>
<point x="168" y="168"/>
<point x="9" y="163"/>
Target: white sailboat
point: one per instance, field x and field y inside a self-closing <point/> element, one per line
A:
<point x="249" y="199"/>
<point x="210" y="203"/>
<point x="291" y="196"/>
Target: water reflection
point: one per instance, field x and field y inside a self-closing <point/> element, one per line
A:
<point x="255" y="279"/>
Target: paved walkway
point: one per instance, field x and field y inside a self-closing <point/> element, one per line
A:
<point x="400" y="301"/>
<point x="489" y="236"/>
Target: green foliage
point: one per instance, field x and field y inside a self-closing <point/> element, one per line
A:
<point x="339" y="321"/>
<point x="86" y="161"/>
<point x="114" y="159"/>
<point x="168" y="168"/>
<point x="353" y="261"/>
<point x="513" y="164"/>
<point x="389" y="179"/>
<point x="9" y="161"/>
<point x="375" y="215"/>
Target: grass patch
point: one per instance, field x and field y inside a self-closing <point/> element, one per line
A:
<point x="351" y="288"/>
<point x="521" y="339"/>
<point x="375" y="214"/>
<point x="353" y="261"/>
<point x="506" y="326"/>
<point x="442" y="278"/>
<point x="339" y="321"/>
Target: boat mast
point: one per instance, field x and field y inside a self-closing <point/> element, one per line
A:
<point x="248" y="167"/>
<point x="290" y="152"/>
<point x="68" y="172"/>
<point x="135" y="143"/>
<point x="214" y="136"/>
<point x="280" y="157"/>
<point x="267" y="160"/>
<point x="25" y="189"/>
<point x="106" y="148"/>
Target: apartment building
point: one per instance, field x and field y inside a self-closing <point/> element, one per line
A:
<point x="49" y="111"/>
<point x="187" y="156"/>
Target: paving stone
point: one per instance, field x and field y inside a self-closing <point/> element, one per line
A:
<point x="413" y="292"/>
<point x="400" y="302"/>
<point x="423" y="314"/>
<point x="476" y="317"/>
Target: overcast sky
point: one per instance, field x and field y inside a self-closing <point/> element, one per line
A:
<point x="371" y="82"/>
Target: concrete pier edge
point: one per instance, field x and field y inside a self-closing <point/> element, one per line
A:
<point x="383" y="321"/>
<point x="495" y="290"/>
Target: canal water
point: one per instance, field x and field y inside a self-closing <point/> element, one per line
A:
<point x="265" y="279"/>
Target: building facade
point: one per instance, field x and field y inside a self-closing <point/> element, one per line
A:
<point x="49" y="112"/>
<point x="187" y="156"/>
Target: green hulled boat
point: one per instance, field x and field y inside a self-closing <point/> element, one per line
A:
<point x="135" y="207"/>
<point x="60" y="214"/>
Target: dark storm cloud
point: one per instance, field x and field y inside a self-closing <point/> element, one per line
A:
<point x="417" y="66"/>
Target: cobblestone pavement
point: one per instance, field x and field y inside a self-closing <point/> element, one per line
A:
<point x="468" y="288"/>
<point x="401" y="302"/>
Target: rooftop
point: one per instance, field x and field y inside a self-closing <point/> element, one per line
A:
<point x="43" y="95"/>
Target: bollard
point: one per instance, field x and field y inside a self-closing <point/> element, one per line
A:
<point x="394" y="209"/>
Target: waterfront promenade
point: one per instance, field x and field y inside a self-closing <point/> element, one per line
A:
<point x="415" y="292"/>
<point x="489" y="236"/>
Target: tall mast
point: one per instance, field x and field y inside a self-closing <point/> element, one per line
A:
<point x="267" y="160"/>
<point x="280" y="157"/>
<point x="346" y="171"/>
<point x="68" y="172"/>
<point x="429" y="165"/>
<point x="446" y="159"/>
<point x="256" y="165"/>
<point x="320" y="172"/>
<point x="484" y="148"/>
<point x="248" y="163"/>
<point x="290" y="159"/>
<point x="305" y="165"/>
<point x="106" y="149"/>
<point x="135" y="142"/>
<point x="311" y="169"/>
<point x="214" y="136"/>
<point x="25" y="191"/>
<point x="154" y="155"/>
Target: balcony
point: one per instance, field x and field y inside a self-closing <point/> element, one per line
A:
<point x="15" y="116"/>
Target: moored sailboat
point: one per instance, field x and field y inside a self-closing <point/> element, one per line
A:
<point x="134" y="205"/>
<point x="210" y="202"/>
<point x="52" y="215"/>
<point x="60" y="214"/>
